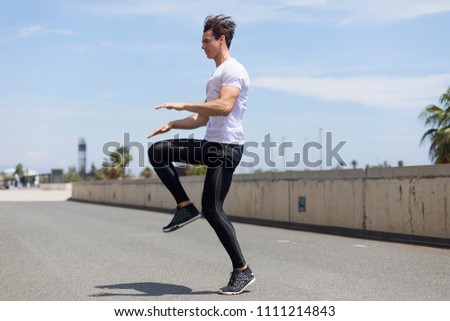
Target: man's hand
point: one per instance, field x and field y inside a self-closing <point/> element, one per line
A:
<point x="161" y="130"/>
<point x="194" y="121"/>
<point x="175" y="106"/>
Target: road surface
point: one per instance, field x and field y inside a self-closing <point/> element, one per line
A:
<point x="77" y="251"/>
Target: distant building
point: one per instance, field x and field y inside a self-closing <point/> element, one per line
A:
<point x="57" y="176"/>
<point x="10" y="179"/>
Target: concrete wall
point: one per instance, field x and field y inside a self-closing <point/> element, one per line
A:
<point x="56" y="187"/>
<point x="407" y="200"/>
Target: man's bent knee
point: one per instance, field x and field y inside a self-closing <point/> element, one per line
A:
<point x="158" y="153"/>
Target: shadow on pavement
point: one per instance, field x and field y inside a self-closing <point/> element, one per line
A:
<point x="148" y="289"/>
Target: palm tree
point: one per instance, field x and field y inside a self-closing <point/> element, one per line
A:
<point x="117" y="163"/>
<point x="146" y="173"/>
<point x="438" y="118"/>
<point x="72" y="175"/>
<point x="19" y="170"/>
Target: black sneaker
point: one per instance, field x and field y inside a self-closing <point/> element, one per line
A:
<point x="182" y="216"/>
<point x="239" y="280"/>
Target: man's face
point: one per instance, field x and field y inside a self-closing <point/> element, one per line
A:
<point x="210" y="45"/>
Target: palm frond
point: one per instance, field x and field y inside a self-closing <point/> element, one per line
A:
<point x="432" y="115"/>
<point x="438" y="117"/>
<point x="444" y="100"/>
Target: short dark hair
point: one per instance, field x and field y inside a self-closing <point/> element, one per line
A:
<point x="220" y="25"/>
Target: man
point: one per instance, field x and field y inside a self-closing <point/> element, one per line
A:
<point x="220" y="150"/>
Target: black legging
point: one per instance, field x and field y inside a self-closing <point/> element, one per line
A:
<point x="221" y="160"/>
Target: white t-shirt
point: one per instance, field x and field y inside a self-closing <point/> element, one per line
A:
<point x="228" y="129"/>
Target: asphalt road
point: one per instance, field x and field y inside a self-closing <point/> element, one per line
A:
<point x="75" y="251"/>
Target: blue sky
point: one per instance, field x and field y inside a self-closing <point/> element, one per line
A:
<point x="363" y="70"/>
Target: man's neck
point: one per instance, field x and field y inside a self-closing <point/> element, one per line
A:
<point x="222" y="57"/>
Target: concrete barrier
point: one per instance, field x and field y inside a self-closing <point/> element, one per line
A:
<point x="411" y="201"/>
<point x="56" y="187"/>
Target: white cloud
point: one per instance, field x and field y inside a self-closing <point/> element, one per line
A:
<point x="375" y="91"/>
<point x="107" y="95"/>
<point x="31" y="31"/>
<point x="34" y="155"/>
<point x="369" y="10"/>
<point x="397" y="10"/>
<point x="129" y="47"/>
<point x="133" y="7"/>
<point x="242" y="11"/>
<point x="337" y="11"/>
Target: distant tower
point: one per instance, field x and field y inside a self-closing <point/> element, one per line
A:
<point x="82" y="157"/>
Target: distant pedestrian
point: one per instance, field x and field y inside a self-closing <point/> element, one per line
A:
<point x="220" y="150"/>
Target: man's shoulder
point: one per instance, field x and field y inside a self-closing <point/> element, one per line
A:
<point x="235" y="62"/>
<point x="234" y="66"/>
